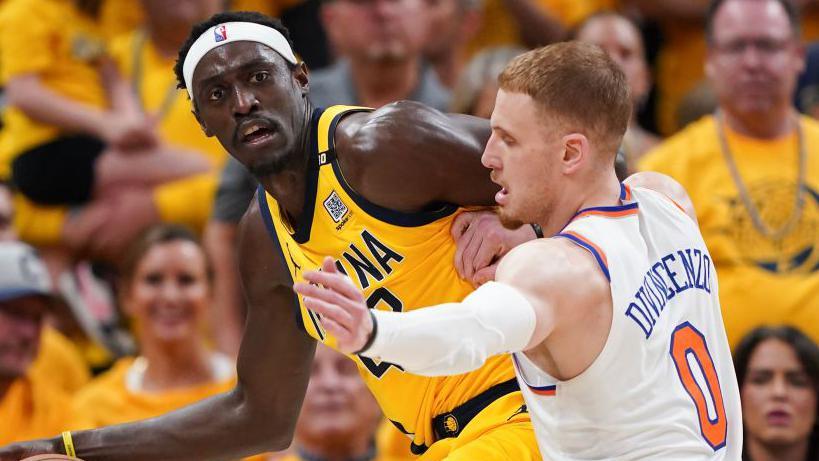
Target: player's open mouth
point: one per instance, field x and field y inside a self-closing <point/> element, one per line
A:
<point x="256" y="133"/>
<point x="502" y="196"/>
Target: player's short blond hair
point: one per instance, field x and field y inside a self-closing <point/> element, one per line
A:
<point x="577" y="83"/>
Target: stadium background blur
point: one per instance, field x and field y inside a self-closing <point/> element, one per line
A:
<point x="90" y="109"/>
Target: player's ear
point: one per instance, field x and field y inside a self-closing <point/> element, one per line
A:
<point x="575" y="149"/>
<point x="300" y="74"/>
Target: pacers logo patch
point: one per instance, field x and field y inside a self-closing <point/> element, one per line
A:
<point x="220" y="33"/>
<point x="335" y="207"/>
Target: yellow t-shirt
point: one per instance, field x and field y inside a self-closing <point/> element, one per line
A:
<point x="52" y="39"/>
<point x="33" y="408"/>
<point x="498" y="27"/>
<point x="761" y="281"/>
<point x="60" y="362"/>
<point x="107" y="400"/>
<point x="119" y="17"/>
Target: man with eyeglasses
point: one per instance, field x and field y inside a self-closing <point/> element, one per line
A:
<point x="752" y="168"/>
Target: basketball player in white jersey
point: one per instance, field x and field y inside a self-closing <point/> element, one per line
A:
<point x="614" y="323"/>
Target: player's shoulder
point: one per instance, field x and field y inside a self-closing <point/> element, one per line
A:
<point x="552" y="265"/>
<point x="386" y="126"/>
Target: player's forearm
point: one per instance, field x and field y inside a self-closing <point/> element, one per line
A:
<point x="39" y="103"/>
<point x="222" y="427"/>
<point x="455" y="338"/>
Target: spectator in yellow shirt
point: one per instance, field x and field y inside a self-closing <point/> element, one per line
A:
<point x="752" y="171"/>
<point x="679" y="67"/>
<point x="31" y="404"/>
<point x="166" y="290"/>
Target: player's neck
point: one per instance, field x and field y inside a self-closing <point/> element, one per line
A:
<point x="601" y="190"/>
<point x="775" y="124"/>
<point x="378" y="82"/>
<point x="761" y="452"/>
<point x="288" y="185"/>
<point x="175" y="365"/>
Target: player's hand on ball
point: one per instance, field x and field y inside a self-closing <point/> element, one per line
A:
<point x="341" y="304"/>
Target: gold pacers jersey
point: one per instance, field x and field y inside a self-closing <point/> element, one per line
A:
<point x="401" y="261"/>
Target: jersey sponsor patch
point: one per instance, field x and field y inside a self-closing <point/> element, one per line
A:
<point x="335" y="207"/>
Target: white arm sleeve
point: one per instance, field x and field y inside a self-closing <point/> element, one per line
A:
<point x="454" y="338"/>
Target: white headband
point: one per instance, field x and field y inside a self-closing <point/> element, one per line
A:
<point x="229" y="32"/>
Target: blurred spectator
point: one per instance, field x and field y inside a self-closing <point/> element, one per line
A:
<point x="58" y="359"/>
<point x="339" y="416"/>
<point x="478" y="84"/>
<point x="778" y="373"/>
<point x="621" y="39"/>
<point x="31" y="405"/>
<point x="679" y="66"/>
<point x="752" y="171"/>
<point x="73" y="132"/>
<point x="378" y="47"/>
<point x="166" y="290"/>
<point x="452" y="24"/>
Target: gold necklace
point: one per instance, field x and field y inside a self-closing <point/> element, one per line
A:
<point x="779" y="234"/>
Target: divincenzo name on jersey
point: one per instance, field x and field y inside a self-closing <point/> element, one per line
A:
<point x="673" y="274"/>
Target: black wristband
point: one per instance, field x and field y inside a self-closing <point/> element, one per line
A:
<point x="538" y="230"/>
<point x="372" y="335"/>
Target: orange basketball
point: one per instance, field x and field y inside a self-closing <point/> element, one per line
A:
<point x="51" y="458"/>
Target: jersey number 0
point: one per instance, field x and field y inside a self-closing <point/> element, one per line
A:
<point x="690" y="354"/>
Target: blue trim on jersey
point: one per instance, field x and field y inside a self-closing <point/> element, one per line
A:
<point x="607" y="209"/>
<point x="591" y="250"/>
<point x="622" y="192"/>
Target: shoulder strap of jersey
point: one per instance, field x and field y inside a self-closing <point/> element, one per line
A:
<point x="327" y="127"/>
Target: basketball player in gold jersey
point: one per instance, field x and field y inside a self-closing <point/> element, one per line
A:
<point x="378" y="190"/>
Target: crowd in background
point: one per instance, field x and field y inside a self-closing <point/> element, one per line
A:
<point x="133" y="210"/>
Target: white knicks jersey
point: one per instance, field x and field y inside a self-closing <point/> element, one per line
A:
<point x="663" y="387"/>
